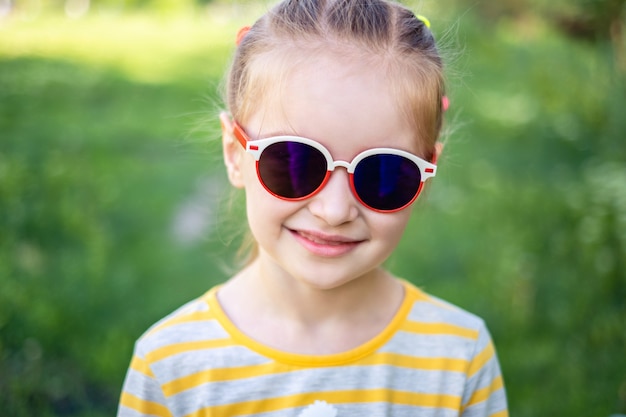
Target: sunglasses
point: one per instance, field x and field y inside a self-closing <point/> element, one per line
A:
<point x="293" y="168"/>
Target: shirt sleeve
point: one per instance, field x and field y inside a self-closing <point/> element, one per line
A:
<point x="484" y="394"/>
<point x="141" y="393"/>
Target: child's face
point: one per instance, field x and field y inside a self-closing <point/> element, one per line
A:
<point x="329" y="239"/>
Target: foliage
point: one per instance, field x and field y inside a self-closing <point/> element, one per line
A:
<point x="533" y="203"/>
<point x="109" y="185"/>
<point x="95" y="165"/>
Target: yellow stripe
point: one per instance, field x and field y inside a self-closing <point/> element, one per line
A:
<point x="177" y="348"/>
<point x="335" y="359"/>
<point x="221" y="374"/>
<point x="439" y="329"/>
<point x="141" y="366"/>
<point x="333" y="397"/>
<point x="253" y="371"/>
<point x="414" y="293"/>
<point x="484" y="393"/>
<point x="439" y="303"/>
<point x="144" y="407"/>
<point x="503" y="413"/>
<point x="186" y="318"/>
<point x="481" y="359"/>
<point x="413" y="362"/>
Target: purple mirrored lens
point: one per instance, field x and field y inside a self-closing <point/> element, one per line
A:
<point x="386" y="181"/>
<point x="292" y="169"/>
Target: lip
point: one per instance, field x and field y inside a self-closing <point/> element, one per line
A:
<point x="324" y="245"/>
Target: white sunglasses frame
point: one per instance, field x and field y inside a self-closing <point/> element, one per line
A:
<point x="257" y="146"/>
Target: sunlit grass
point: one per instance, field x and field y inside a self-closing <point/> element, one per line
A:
<point x="145" y="47"/>
<point x="149" y="47"/>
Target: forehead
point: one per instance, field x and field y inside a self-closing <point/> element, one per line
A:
<point x="339" y="97"/>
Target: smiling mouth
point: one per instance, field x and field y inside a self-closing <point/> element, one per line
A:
<point x="325" y="245"/>
<point x="333" y="241"/>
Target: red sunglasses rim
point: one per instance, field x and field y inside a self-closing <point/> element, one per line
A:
<point x="352" y="189"/>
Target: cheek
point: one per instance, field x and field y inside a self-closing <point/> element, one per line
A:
<point x="259" y="215"/>
<point x="255" y="193"/>
<point x="256" y="211"/>
<point x="248" y="171"/>
<point x="265" y="213"/>
<point x="391" y="227"/>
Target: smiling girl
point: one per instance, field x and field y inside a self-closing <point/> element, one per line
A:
<point x="334" y="111"/>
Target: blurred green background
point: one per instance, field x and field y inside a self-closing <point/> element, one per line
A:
<point x="113" y="204"/>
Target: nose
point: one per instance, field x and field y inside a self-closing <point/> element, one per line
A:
<point x="335" y="203"/>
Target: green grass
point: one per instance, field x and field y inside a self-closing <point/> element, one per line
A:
<point x="109" y="135"/>
<point x="104" y="140"/>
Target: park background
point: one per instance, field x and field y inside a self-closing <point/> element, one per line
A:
<point x="113" y="203"/>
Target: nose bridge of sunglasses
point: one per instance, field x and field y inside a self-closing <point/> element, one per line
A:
<point x="343" y="164"/>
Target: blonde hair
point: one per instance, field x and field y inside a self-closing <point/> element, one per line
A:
<point x="295" y="32"/>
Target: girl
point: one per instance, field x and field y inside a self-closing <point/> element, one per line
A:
<point x="334" y="110"/>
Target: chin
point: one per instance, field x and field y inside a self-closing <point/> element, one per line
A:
<point x="328" y="283"/>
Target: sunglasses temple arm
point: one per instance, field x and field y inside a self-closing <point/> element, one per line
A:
<point x="232" y="127"/>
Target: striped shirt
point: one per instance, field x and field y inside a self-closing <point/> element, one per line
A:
<point x="433" y="359"/>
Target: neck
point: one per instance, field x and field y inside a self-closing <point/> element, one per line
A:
<point x="283" y="312"/>
<point x="308" y="302"/>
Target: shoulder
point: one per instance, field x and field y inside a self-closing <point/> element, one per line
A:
<point x="429" y="308"/>
<point x="434" y="327"/>
<point x="463" y="344"/>
<point x="192" y="322"/>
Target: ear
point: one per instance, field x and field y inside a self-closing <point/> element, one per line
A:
<point x="438" y="150"/>
<point x="233" y="153"/>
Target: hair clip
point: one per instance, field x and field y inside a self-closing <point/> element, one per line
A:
<point x="241" y="34"/>
<point x="445" y="103"/>
<point x="424" y="19"/>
